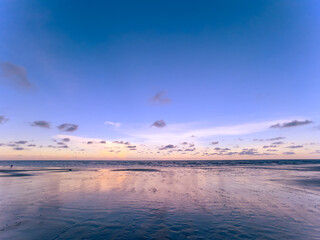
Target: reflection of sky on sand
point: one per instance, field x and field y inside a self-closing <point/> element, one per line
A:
<point x="178" y="203"/>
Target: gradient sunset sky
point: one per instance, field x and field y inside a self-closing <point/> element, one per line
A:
<point x="159" y="79"/>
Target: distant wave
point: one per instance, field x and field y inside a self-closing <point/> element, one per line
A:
<point x="163" y="163"/>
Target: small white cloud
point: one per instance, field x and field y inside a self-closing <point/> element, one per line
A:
<point x="113" y="124"/>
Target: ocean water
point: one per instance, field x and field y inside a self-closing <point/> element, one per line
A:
<point x="253" y="199"/>
<point x="163" y="163"/>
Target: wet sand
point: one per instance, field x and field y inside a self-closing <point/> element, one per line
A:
<point x="223" y="202"/>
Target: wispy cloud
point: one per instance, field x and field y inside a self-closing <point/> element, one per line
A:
<point x="115" y="124"/>
<point x="21" y="142"/>
<point x="270" y="146"/>
<point x="18" y="148"/>
<point x="268" y="139"/>
<point x="77" y="139"/>
<point x="250" y="151"/>
<point x="161" y="97"/>
<point x="14" y="74"/>
<point x="132" y="147"/>
<point x="289" y="153"/>
<point x="293" y="123"/>
<point x="189" y="149"/>
<point x="149" y="141"/>
<point x="297" y="146"/>
<point x="275" y="139"/>
<point x="121" y="142"/>
<point x="97" y="146"/>
<point x="68" y="127"/>
<point x="41" y="123"/>
<point x="182" y="132"/>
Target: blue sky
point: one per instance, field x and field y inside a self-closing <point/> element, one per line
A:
<point x="205" y="68"/>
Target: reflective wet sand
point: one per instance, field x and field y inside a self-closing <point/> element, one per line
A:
<point x="222" y="202"/>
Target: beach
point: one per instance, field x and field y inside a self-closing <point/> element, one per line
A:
<point x="60" y="200"/>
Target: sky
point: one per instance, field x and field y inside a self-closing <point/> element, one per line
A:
<point x="146" y="80"/>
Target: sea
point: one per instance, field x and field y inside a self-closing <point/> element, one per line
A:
<point x="229" y="199"/>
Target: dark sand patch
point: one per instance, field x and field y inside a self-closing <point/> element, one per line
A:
<point x="16" y="175"/>
<point x="316" y="168"/>
<point x="33" y="170"/>
<point x="21" y="172"/>
<point x="305" y="169"/>
<point x="136" y="170"/>
<point x="311" y="182"/>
